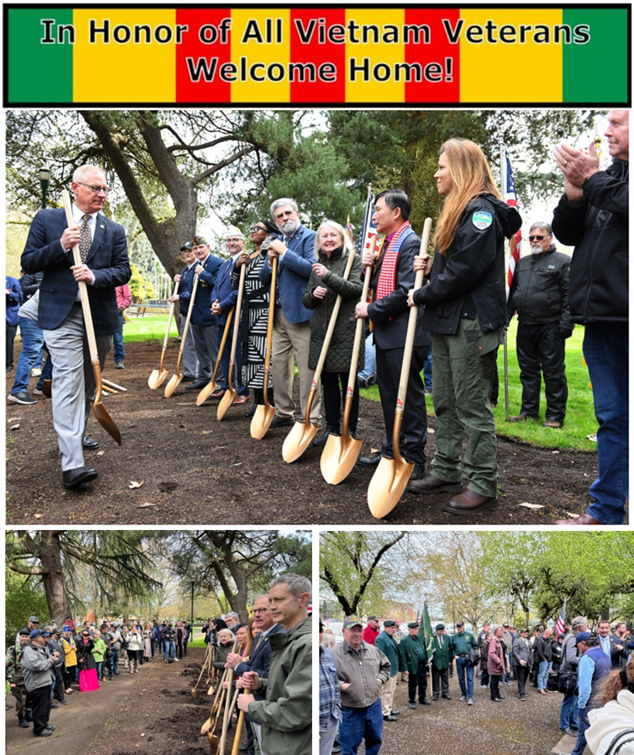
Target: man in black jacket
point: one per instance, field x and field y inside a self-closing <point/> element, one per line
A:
<point x="594" y="216"/>
<point x="392" y="277"/>
<point x="539" y="295"/>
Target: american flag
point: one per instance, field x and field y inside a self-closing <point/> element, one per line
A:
<point x="368" y="229"/>
<point x="559" y="626"/>
<point x="510" y="197"/>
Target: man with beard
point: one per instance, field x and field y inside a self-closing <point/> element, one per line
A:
<point x="295" y="253"/>
<point x="539" y="295"/>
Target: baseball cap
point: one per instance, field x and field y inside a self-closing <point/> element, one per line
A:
<point x="187" y="247"/>
<point x="352" y="621"/>
<point x="583" y="637"/>
<point x="34" y="620"/>
<point x="198" y="240"/>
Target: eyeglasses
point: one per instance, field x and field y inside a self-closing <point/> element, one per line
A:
<point x="261" y="610"/>
<point x="536" y="238"/>
<point x="255" y="228"/>
<point x="95" y="189"/>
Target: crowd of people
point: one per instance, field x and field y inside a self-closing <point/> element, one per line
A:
<point x="462" y="312"/>
<point x="357" y="676"/>
<point x="48" y="664"/>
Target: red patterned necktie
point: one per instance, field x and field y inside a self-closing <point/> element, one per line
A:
<point x="85" y="239"/>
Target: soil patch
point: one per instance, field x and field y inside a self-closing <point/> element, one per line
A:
<point x="198" y="471"/>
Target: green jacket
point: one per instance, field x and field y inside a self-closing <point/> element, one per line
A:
<point x="12" y="664"/>
<point x="389" y="647"/>
<point x="411" y="652"/>
<point x="462" y="643"/>
<point x="286" y="713"/>
<point x="98" y="650"/>
<point x="442" y="656"/>
<point x="340" y="349"/>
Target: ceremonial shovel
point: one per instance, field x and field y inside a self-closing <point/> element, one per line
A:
<point x="264" y="412"/>
<point x="340" y="453"/>
<point x="212" y="386"/>
<point x="98" y="408"/>
<point x="391" y="476"/>
<point x="235" y="750"/>
<point x="230" y="393"/>
<point x="158" y="376"/>
<point x="299" y="438"/>
<point x="176" y="379"/>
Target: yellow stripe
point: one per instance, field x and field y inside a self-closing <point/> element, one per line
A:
<point x="499" y="72"/>
<point x="374" y="90"/>
<point x="113" y="72"/>
<point x="247" y="29"/>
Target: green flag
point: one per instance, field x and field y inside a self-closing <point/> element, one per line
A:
<point x="426" y="634"/>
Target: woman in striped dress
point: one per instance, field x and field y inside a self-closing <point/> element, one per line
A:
<point x="255" y="312"/>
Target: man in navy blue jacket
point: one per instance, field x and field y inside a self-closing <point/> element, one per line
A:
<point x="57" y="306"/>
<point x="185" y="279"/>
<point x="295" y="252"/>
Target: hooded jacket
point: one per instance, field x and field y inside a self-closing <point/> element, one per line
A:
<point x="472" y="270"/>
<point x="286" y="714"/>
<point x="598" y="229"/>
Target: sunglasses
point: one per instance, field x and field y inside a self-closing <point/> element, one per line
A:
<point x="536" y="238"/>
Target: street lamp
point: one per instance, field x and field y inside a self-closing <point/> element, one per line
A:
<point x="192" y="612"/>
<point x="45" y="179"/>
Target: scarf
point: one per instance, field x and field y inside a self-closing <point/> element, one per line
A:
<point x="387" y="276"/>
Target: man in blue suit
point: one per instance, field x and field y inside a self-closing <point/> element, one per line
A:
<point x="57" y="306"/>
<point x="203" y="323"/>
<point x="185" y="278"/>
<point x="260" y="657"/>
<point x="224" y="297"/>
<point x="295" y="252"/>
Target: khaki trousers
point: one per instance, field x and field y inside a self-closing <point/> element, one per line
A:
<point x="387" y="695"/>
<point x="291" y="342"/>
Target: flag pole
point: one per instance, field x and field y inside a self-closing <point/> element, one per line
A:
<point x="504" y="342"/>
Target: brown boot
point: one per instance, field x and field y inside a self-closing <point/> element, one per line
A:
<point x="430" y="484"/>
<point x="468" y="502"/>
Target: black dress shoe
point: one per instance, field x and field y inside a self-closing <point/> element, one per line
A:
<point x="435" y="697"/>
<point x="50" y="728"/>
<point x="63" y="702"/>
<point x="188" y="379"/>
<point x="90" y="444"/>
<point x="279" y="421"/>
<point x="197" y="386"/>
<point x="250" y="412"/>
<point x="370" y="461"/>
<point x="394" y="712"/>
<point x="54" y="705"/>
<point x="412" y="706"/>
<point x="425" y="702"/>
<point x="446" y="697"/>
<point x="73" y="478"/>
<point x="390" y="718"/>
<point x="323" y="438"/>
<point x="45" y="733"/>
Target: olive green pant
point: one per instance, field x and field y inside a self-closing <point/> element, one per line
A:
<point x="462" y="368"/>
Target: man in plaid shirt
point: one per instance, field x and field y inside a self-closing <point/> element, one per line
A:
<point x="329" y="698"/>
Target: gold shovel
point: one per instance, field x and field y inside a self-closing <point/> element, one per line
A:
<point x="212" y="386"/>
<point x="264" y="412"/>
<point x="391" y="476"/>
<point x="158" y="376"/>
<point x="340" y="453"/>
<point x="230" y="393"/>
<point x="299" y="438"/>
<point x="176" y="379"/>
<point x="104" y="419"/>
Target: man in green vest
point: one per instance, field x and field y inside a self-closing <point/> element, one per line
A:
<point x="462" y="643"/>
<point x="414" y="660"/>
<point x="443" y="654"/>
<point x="386" y="643"/>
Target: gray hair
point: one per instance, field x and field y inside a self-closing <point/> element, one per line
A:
<point x="261" y="597"/>
<point x="577" y="623"/>
<point x="347" y="244"/>
<point x="295" y="583"/>
<point x="282" y="203"/>
<point x="83" y="169"/>
<point x="226" y="633"/>
<point x="233" y="615"/>
<point x="542" y="225"/>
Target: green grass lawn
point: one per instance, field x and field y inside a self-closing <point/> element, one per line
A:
<point x="580" y="419"/>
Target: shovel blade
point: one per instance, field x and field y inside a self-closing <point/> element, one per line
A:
<point x="206" y="726"/>
<point x="213" y="743"/>
<point x="225" y="403"/>
<point x="106" y="421"/>
<point x="206" y="392"/>
<point x="387" y="486"/>
<point x="297" y="441"/>
<point x="172" y="385"/>
<point x="156" y="378"/>
<point x="339" y="457"/>
<point x="262" y="421"/>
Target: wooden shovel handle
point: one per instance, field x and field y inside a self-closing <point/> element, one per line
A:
<point x="235" y="750"/>
<point x="269" y="334"/>
<point x="407" y="352"/>
<point x="169" y="322"/>
<point x="83" y="291"/>
<point x="352" y="379"/>
<point x="234" y="342"/>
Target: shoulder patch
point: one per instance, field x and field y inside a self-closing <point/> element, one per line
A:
<point x="481" y="219"/>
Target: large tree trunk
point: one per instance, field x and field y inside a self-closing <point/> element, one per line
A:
<point x="238" y="599"/>
<point x="53" y="577"/>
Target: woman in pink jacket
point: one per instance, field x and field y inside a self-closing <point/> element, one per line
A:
<point x="495" y="664"/>
<point x="124" y="299"/>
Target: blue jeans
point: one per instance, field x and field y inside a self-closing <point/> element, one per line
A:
<point x="605" y="348"/>
<point x="370" y="358"/>
<point x="461" y="666"/>
<point x="542" y="676"/>
<point x="170" y="649"/>
<point x="32" y="342"/>
<point x="584" y="725"/>
<point x="117" y="340"/>
<point x="427" y="371"/>
<point x="115" y="661"/>
<point x="358" y="724"/>
<point x="568" y="712"/>
<point x="99" y="669"/>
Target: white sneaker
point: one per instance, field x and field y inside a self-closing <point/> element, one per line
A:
<point x="463" y="698"/>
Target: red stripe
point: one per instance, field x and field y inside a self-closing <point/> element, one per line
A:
<point x="437" y="51"/>
<point x="192" y="47"/>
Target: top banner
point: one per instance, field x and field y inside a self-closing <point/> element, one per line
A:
<point x="336" y="56"/>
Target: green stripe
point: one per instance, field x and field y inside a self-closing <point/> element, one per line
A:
<point x="597" y="71"/>
<point x="38" y="72"/>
